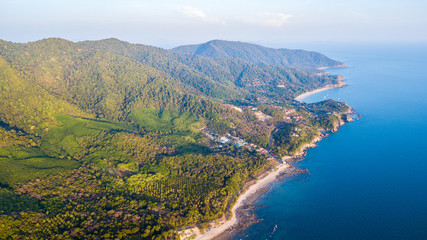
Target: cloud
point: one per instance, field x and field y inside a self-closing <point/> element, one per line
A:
<point x="267" y="19"/>
<point x="197" y="13"/>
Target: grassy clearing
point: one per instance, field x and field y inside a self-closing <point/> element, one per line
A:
<point x="21" y="165"/>
<point x="165" y="121"/>
<point x="179" y="128"/>
<point x="56" y="152"/>
<point x="66" y="139"/>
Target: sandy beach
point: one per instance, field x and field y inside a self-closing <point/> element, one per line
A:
<point x="301" y="97"/>
<point x="337" y="66"/>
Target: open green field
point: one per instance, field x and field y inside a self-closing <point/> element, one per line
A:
<point x="19" y="165"/>
<point x="67" y="138"/>
<point x="166" y="120"/>
<point x="57" y="151"/>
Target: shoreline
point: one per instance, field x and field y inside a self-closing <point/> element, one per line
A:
<point x="340" y="83"/>
<point x="254" y="189"/>
<point x="301" y="97"/>
<point x="241" y="218"/>
<point x="337" y="66"/>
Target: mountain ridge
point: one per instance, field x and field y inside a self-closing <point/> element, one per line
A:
<point x="258" y="54"/>
<point x="224" y="78"/>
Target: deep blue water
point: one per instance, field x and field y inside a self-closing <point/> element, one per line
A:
<point x="368" y="180"/>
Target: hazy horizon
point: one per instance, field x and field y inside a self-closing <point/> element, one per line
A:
<point x="168" y="23"/>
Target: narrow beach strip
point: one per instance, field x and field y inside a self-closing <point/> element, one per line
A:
<point x="301" y="97"/>
<point x="259" y="185"/>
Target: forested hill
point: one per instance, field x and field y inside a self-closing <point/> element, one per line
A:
<point x="110" y="78"/>
<point x="226" y="79"/>
<point x="112" y="140"/>
<point x="259" y="55"/>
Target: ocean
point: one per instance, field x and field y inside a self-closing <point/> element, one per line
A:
<point x="369" y="179"/>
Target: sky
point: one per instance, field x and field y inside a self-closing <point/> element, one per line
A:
<point x="170" y="23"/>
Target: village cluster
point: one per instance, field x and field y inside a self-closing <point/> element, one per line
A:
<point x="229" y="139"/>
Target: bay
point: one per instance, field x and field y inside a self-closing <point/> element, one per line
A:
<point x="368" y="180"/>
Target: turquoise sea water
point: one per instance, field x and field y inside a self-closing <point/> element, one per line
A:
<point x="368" y="180"/>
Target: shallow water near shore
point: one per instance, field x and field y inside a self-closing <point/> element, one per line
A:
<point x="368" y="180"/>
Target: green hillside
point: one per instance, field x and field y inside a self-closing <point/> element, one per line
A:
<point x="111" y="140"/>
<point x="223" y="78"/>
